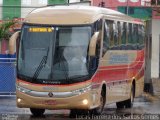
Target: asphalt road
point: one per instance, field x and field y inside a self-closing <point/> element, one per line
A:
<point x="146" y="107"/>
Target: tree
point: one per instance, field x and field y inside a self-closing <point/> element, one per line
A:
<point x="4" y="31"/>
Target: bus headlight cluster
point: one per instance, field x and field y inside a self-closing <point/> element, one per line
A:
<point x="22" y="89"/>
<point x="19" y="100"/>
<point x="82" y="90"/>
<point x="85" y="101"/>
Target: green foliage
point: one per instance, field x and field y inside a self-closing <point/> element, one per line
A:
<point x="4" y="30"/>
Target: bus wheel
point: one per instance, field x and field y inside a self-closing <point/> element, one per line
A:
<point x="120" y="105"/>
<point x="99" y="110"/>
<point x="129" y="103"/>
<point x="75" y="113"/>
<point x="37" y="112"/>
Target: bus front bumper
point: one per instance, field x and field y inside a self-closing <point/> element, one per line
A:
<point x="82" y="101"/>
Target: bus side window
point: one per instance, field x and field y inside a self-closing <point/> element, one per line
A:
<point x="111" y="33"/>
<point x="105" y="39"/>
<point x="141" y="36"/>
<point x="115" y="30"/>
<point x="98" y="45"/>
<point x="135" y="35"/>
<point x="119" y="32"/>
<point x="98" y="25"/>
<point x="130" y="33"/>
<point x="124" y="35"/>
<point x="130" y="37"/>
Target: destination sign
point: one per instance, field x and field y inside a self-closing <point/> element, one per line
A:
<point x="34" y="29"/>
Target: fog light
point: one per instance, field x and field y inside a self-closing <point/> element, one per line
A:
<point x="85" y="101"/>
<point x="19" y="100"/>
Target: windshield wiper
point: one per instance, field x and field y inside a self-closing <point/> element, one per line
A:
<point x="40" y="66"/>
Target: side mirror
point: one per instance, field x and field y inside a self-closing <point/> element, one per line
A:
<point x="12" y="42"/>
<point x="93" y="42"/>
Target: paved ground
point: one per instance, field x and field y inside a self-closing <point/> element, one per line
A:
<point x="145" y="107"/>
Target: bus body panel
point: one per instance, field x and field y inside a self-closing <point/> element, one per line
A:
<point x="117" y="68"/>
<point x="72" y="15"/>
<point x="38" y="96"/>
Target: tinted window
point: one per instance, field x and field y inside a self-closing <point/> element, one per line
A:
<point x="115" y="29"/>
<point x="124" y="33"/>
<point x="141" y="36"/>
<point x="106" y="38"/>
<point x="130" y="41"/>
<point x="119" y="32"/>
<point x="135" y="33"/>
<point x="111" y="33"/>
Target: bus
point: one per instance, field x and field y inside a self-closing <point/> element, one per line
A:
<point x="79" y="58"/>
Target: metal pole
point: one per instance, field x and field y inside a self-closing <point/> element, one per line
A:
<point x="127" y="6"/>
<point x="68" y="2"/>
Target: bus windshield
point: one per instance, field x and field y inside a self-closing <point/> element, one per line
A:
<point x="53" y="55"/>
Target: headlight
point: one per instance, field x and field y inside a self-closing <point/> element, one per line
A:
<point x="22" y="89"/>
<point x="85" y="101"/>
<point x="19" y="100"/>
<point x="82" y="90"/>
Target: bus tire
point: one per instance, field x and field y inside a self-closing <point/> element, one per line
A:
<point x="37" y="112"/>
<point x="72" y="113"/>
<point x="120" y="105"/>
<point x="75" y="113"/>
<point x="99" y="110"/>
<point x="129" y="103"/>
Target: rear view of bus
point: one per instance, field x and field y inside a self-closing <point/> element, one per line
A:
<point x="59" y="49"/>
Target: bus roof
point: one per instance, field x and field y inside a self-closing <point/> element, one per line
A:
<point x="69" y="15"/>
